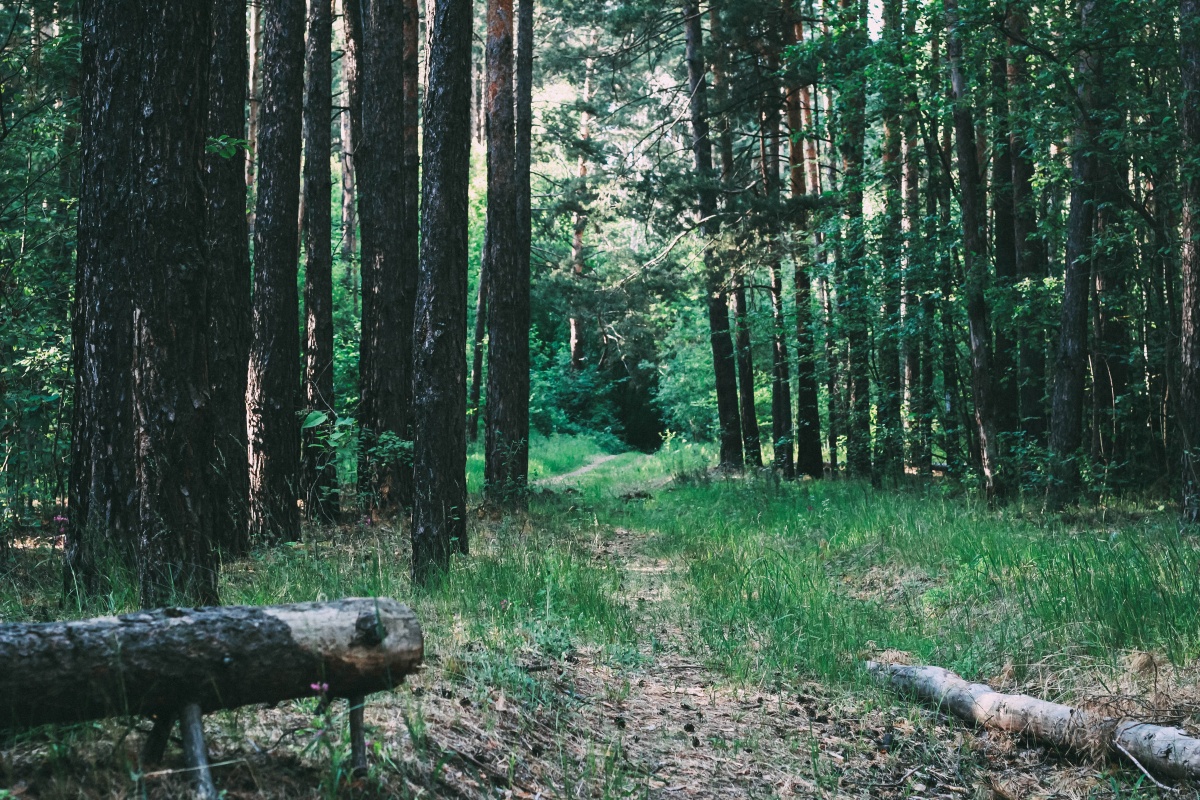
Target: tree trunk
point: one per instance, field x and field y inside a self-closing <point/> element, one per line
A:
<point x="743" y="348"/>
<point x="351" y="124"/>
<point x="1070" y="364"/>
<point x="718" y="311"/>
<point x="440" y="335"/>
<point x="274" y="377"/>
<point x="580" y="225"/>
<point x="889" y="465"/>
<point x="477" y="351"/>
<point x="229" y="265"/>
<point x="1167" y="751"/>
<point x="523" y="119"/>
<point x="781" y="384"/>
<point x="1004" y="252"/>
<point x="974" y="252"/>
<point x="155" y="662"/>
<point x="320" y="480"/>
<point x="852" y="289"/>
<point x="1189" y="398"/>
<point x="385" y="355"/>
<point x="144" y="442"/>
<point x="1030" y="248"/>
<point x="255" y="69"/>
<point x="506" y="416"/>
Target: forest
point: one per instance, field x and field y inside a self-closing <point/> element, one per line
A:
<point x="703" y="375"/>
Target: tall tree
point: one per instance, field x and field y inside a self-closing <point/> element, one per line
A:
<point x="809" y="460"/>
<point x="229" y="264"/>
<point x="889" y="462"/>
<point x="274" y="376"/>
<point x="351" y="132"/>
<point x="974" y="251"/>
<point x="718" y="310"/>
<point x="1189" y="402"/>
<point x="506" y="464"/>
<point x="1031" y="253"/>
<point x="142" y="266"/>
<point x="852" y="289"/>
<point x="1070" y="362"/>
<point x="319" y="468"/>
<point x="388" y="282"/>
<point x="440" y="333"/>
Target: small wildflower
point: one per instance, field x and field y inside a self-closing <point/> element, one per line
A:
<point x="505" y="605"/>
<point x="319" y="688"/>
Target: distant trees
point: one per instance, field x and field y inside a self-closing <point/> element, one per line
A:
<point x="1189" y="410"/>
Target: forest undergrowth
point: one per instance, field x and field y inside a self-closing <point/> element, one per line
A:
<point x="653" y="629"/>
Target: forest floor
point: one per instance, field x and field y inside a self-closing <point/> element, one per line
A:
<point x="652" y="630"/>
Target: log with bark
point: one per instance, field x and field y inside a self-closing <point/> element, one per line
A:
<point x="157" y="662"/>
<point x="1158" y="749"/>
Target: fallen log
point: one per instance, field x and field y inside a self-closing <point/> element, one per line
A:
<point x="1158" y="749"/>
<point x="157" y="662"/>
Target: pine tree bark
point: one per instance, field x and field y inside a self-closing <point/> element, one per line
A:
<point x="274" y="375"/>
<point x="506" y="416"/>
<point x="718" y="311"/>
<point x="229" y="305"/>
<point x="523" y="83"/>
<point x="143" y="279"/>
<point x="319" y="481"/>
<point x="1189" y="398"/>
<point x="579" y="227"/>
<point x="974" y="250"/>
<point x="440" y="333"/>
<point x="1070" y="362"/>
<point x="388" y="284"/>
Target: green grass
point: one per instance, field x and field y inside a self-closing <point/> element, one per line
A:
<point x="813" y="577"/>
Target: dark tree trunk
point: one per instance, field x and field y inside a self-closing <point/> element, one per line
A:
<point x="974" y="250"/>
<point x="889" y="464"/>
<point x="440" y="334"/>
<point x="718" y="310"/>
<point x="229" y="265"/>
<point x="142" y="474"/>
<point x="1070" y="364"/>
<point x="274" y="377"/>
<point x="1031" y="254"/>
<point x="506" y="417"/>
<point x="852" y="289"/>
<point x="351" y="131"/>
<point x="1189" y="398"/>
<point x="319" y="481"/>
<point x="781" y="384"/>
<point x="155" y="662"/>
<point x="743" y="348"/>
<point x="388" y="285"/>
<point x="1004" y="251"/>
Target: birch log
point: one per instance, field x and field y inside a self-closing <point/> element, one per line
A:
<point x="1161" y="749"/>
<point x="155" y="662"/>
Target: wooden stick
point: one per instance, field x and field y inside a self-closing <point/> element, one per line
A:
<point x="358" y="738"/>
<point x="1153" y="748"/>
<point x="156" y="743"/>
<point x="195" y="752"/>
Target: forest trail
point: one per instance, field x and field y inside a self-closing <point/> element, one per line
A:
<point x="567" y="477"/>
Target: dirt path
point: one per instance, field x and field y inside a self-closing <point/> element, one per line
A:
<point x="556" y="480"/>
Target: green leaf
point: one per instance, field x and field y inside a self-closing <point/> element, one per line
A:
<point x="314" y="419"/>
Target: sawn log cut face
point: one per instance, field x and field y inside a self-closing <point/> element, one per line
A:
<point x="220" y="657"/>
